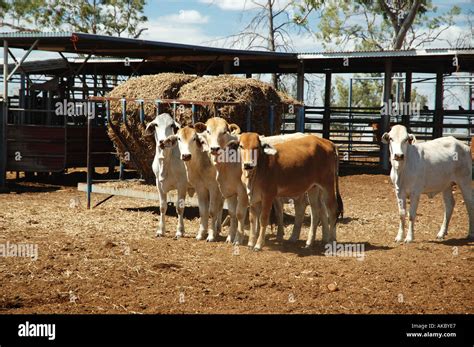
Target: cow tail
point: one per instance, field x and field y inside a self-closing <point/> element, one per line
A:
<point x="340" y="205"/>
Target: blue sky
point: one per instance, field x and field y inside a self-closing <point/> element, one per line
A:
<point x="204" y="21"/>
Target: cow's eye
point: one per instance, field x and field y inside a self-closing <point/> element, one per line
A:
<point x="240" y="146"/>
<point x="207" y="130"/>
<point x="179" y="139"/>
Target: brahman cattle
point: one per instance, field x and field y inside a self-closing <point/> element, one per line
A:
<point x="201" y="175"/>
<point x="289" y="169"/>
<point x="428" y="168"/>
<point x="169" y="170"/>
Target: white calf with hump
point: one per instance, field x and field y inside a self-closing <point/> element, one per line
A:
<point x="202" y="176"/>
<point x="428" y="168"/>
<point x="169" y="170"/>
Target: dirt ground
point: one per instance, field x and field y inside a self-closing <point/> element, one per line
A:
<point x="108" y="260"/>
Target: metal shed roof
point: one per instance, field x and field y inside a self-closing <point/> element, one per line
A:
<point x="158" y="56"/>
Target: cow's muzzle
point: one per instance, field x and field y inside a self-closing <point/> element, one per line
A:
<point x="249" y="166"/>
<point x="185" y="157"/>
<point x="215" y="150"/>
<point x="398" y="157"/>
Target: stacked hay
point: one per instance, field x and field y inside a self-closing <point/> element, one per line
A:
<point x="134" y="146"/>
<point x="245" y="91"/>
<point x="137" y="148"/>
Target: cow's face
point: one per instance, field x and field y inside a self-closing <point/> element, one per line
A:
<point x="188" y="141"/>
<point x="398" y="140"/>
<point x="162" y="127"/>
<point x="251" y="148"/>
<point x="217" y="133"/>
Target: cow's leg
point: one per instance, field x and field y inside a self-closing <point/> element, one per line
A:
<point x="466" y="190"/>
<point x="448" y="211"/>
<point x="414" y="200"/>
<point x="254" y="214"/>
<point x="241" y="213"/>
<point x="203" y="200"/>
<point x="402" y="208"/>
<point x="314" y="202"/>
<point x="215" y="210"/>
<point x="231" y="208"/>
<point x="299" y="206"/>
<point x="163" y="208"/>
<point x="323" y="214"/>
<point x="278" y="206"/>
<point x="264" y="218"/>
<point x="180" y="204"/>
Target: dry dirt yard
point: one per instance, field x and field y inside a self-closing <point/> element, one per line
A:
<point x="108" y="260"/>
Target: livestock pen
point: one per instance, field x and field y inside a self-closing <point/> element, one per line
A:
<point x="108" y="260"/>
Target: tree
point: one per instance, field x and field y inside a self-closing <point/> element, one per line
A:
<point x="268" y="28"/>
<point x="379" y="24"/>
<point x="112" y="17"/>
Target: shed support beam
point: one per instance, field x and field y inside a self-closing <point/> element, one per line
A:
<point x="406" y="117"/>
<point x="4" y="118"/>
<point x="438" y="115"/>
<point x="23" y="59"/>
<point x="385" y="118"/>
<point x="327" y="106"/>
<point x="299" y="121"/>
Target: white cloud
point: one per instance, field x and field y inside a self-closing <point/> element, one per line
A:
<point x="240" y="5"/>
<point x="188" y="17"/>
<point x="231" y="5"/>
<point x="166" y="28"/>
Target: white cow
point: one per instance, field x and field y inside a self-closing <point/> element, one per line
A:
<point x="428" y="168"/>
<point x="169" y="170"/>
<point x="202" y="176"/>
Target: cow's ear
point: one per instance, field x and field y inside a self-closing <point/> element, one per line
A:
<point x="269" y="149"/>
<point x="233" y="144"/>
<point x="202" y="142"/>
<point x="150" y="127"/>
<point x="234" y="129"/>
<point x="386" y="138"/>
<point x="200" y="127"/>
<point x="176" y="126"/>
<point x="170" y="141"/>
<point x="411" y="139"/>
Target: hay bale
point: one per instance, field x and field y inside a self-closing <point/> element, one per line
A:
<point x="133" y="145"/>
<point x="245" y="91"/>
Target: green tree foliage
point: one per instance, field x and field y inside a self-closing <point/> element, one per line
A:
<point x="376" y="24"/>
<point x="112" y="17"/>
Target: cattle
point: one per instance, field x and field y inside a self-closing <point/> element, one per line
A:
<point x="377" y="131"/>
<point x="169" y="170"/>
<point x="288" y="169"/>
<point x="201" y="175"/>
<point x="216" y="133"/>
<point x="428" y="168"/>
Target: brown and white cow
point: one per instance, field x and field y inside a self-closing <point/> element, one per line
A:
<point x="289" y="169"/>
<point x="201" y="175"/>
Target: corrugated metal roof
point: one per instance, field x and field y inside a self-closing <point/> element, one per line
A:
<point x="390" y="53"/>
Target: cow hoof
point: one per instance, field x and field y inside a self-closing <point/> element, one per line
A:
<point x="236" y="243"/>
<point x="257" y="249"/>
<point x="210" y="239"/>
<point x="160" y="233"/>
<point x="228" y="239"/>
<point x="440" y="236"/>
<point x="199" y="237"/>
<point x="407" y="240"/>
<point x="398" y="239"/>
<point x="307" y="246"/>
